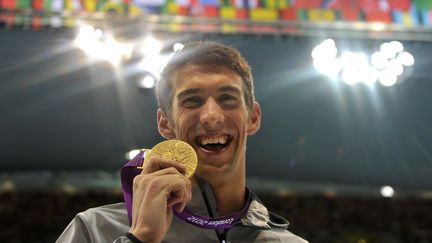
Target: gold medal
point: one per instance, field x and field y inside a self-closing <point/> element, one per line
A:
<point x="176" y="150"/>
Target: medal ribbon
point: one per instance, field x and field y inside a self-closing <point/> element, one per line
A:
<point x="130" y="170"/>
<point x="224" y="222"/>
<point x="127" y="174"/>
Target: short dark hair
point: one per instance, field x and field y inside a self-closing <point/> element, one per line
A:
<point x="203" y="53"/>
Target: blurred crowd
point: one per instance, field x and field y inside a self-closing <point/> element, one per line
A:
<point x="343" y="219"/>
<point x="40" y="216"/>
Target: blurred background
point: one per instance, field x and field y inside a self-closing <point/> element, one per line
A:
<point x="345" y="148"/>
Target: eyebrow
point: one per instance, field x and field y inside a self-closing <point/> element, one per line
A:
<point x="188" y="92"/>
<point x="191" y="91"/>
<point x="229" y="89"/>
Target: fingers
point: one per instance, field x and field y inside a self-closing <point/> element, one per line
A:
<point x="175" y="186"/>
<point x="160" y="186"/>
<point x="159" y="167"/>
<point x="155" y="164"/>
<point x="180" y="196"/>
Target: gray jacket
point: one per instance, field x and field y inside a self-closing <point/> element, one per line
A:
<point x="110" y="223"/>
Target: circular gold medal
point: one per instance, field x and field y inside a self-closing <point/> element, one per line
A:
<point x="176" y="150"/>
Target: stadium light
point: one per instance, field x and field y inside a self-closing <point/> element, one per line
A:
<point x="395" y="67"/>
<point x="405" y="58"/>
<point x="387" y="191"/>
<point x="387" y="78"/>
<point x="397" y="46"/>
<point x="91" y="42"/>
<point x="131" y="154"/>
<point x="151" y="46"/>
<point x="350" y="75"/>
<point x="177" y="47"/>
<point x="379" y="60"/>
<point x="98" y="33"/>
<point x="147" y="82"/>
<point x="354" y="67"/>
<point x="369" y="75"/>
<point x="388" y="50"/>
<point x="154" y="63"/>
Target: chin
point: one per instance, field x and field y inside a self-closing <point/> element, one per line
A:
<point x="212" y="173"/>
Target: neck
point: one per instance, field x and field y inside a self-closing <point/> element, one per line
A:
<point x="230" y="194"/>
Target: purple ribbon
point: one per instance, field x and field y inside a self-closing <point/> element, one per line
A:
<point x="130" y="170"/>
<point x="128" y="173"/>
<point x="224" y="222"/>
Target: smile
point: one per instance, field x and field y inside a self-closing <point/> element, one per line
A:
<point x="214" y="143"/>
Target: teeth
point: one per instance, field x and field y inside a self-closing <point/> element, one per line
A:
<point x="214" y="140"/>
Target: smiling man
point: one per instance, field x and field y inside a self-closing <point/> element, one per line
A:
<point x="206" y="99"/>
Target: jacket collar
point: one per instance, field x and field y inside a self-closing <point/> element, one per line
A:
<point x="257" y="215"/>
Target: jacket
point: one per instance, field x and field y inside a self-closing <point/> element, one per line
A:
<point x="110" y="223"/>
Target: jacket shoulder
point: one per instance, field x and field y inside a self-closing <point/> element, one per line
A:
<point x="99" y="224"/>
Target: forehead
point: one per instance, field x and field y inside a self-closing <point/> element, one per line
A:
<point x="206" y="78"/>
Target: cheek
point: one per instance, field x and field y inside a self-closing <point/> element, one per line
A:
<point x="184" y="120"/>
<point x="241" y="122"/>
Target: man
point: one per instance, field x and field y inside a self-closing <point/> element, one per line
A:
<point x="205" y="97"/>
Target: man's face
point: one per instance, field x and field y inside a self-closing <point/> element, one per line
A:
<point x="209" y="112"/>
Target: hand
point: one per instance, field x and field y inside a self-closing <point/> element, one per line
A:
<point x="160" y="186"/>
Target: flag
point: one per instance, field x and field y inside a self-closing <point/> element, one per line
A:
<point x="68" y="5"/>
<point x="209" y="3"/>
<point x="90" y="5"/>
<point x="23" y="4"/>
<point x="405" y="18"/>
<point x="149" y="3"/>
<point x="232" y="13"/>
<point x="288" y="14"/>
<point x="227" y="12"/>
<point x="47" y="4"/>
<point x="350" y="14"/>
<point x="8" y="4"/>
<point x="370" y="5"/>
<point x="38" y="5"/>
<point x="339" y="4"/>
<point x="134" y="10"/>
<point x="426" y="17"/>
<point x="262" y="14"/>
<point x="251" y="4"/>
<point x="305" y="3"/>
<point x="183" y="3"/>
<point x="316" y="15"/>
<point x="113" y="7"/>
<point x="57" y="6"/>
<point x="378" y="16"/>
<point x="275" y="4"/>
<point x="402" y="5"/>
<point x="423" y="4"/>
<point x="77" y="5"/>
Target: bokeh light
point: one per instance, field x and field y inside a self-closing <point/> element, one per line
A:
<point x="147" y="82"/>
<point x="387" y="191"/>
<point x="379" y="60"/>
<point x="351" y="67"/>
<point x="177" y="47"/>
<point x="387" y="78"/>
<point x="406" y="58"/>
<point x="151" y="46"/>
<point x="131" y="154"/>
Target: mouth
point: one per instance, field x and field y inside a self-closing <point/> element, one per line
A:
<point x="216" y="143"/>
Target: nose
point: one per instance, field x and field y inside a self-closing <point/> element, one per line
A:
<point x="212" y="116"/>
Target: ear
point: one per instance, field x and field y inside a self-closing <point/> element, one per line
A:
<point x="255" y="119"/>
<point x="164" y="126"/>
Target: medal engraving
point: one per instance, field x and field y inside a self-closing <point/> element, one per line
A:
<point x="178" y="151"/>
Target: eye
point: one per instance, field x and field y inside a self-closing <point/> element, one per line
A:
<point x="228" y="99"/>
<point x="192" y="102"/>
